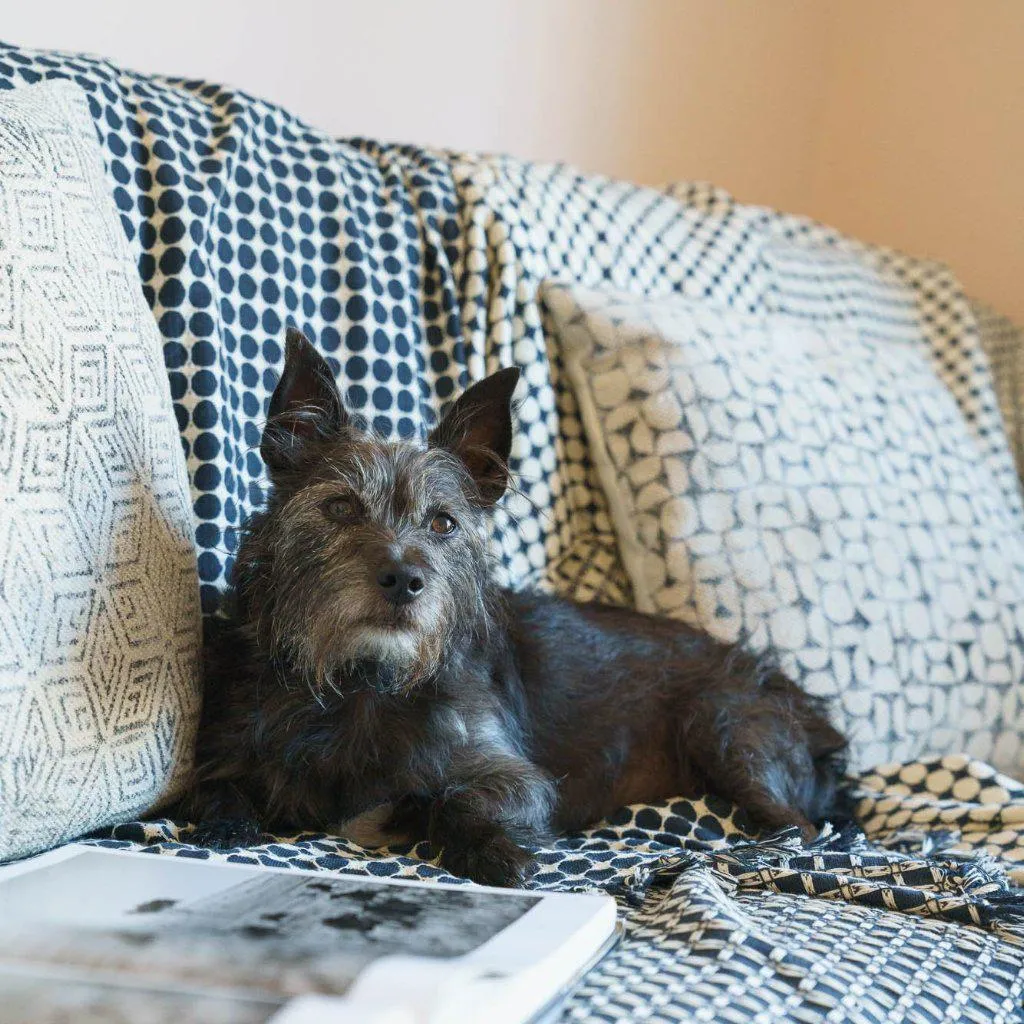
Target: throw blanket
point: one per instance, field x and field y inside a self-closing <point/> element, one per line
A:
<point x="416" y="271"/>
<point x="916" y="921"/>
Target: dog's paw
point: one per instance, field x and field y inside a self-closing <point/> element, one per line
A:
<point x="409" y="818"/>
<point x="226" y="833"/>
<point x="495" y="861"/>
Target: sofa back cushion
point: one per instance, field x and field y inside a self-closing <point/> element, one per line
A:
<point x="99" y="615"/>
<point x="814" y="492"/>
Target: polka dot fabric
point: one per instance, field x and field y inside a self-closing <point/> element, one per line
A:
<point x="1003" y="342"/>
<point x="968" y="804"/>
<point x="244" y="221"/>
<point x="531" y="223"/>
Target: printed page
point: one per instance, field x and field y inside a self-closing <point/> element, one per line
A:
<point x="129" y="937"/>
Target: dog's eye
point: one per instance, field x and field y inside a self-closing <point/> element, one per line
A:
<point x="340" y="508"/>
<point x="443" y="525"/>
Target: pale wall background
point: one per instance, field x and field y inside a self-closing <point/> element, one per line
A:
<point x="899" y="122"/>
<point x="921" y="137"/>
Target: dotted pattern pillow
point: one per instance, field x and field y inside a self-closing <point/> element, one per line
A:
<point x="99" y="609"/>
<point x="417" y="271"/>
<point x="816" y="492"/>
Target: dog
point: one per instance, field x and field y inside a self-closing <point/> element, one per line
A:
<point x="371" y="659"/>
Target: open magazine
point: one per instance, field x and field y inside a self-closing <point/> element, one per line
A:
<point x="92" y="935"/>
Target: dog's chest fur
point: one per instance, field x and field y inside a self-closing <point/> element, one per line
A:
<point x="320" y="762"/>
<point x="554" y="667"/>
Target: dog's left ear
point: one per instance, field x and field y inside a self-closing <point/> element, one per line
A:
<point x="478" y="429"/>
<point x="305" y="406"/>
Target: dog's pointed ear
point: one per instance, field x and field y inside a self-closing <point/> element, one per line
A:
<point x="305" y="406"/>
<point x="478" y="429"/>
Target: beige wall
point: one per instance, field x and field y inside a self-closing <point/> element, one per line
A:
<point x="920" y="144"/>
<point x="899" y="121"/>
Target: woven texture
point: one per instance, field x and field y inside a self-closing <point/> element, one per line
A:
<point x="816" y="493"/>
<point x="914" y="923"/>
<point x="416" y="271"/>
<point x="99" y="615"/>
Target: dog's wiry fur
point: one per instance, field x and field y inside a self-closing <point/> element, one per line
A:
<point x="489" y="719"/>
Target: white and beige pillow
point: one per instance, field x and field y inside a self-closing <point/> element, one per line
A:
<point x="816" y="493"/>
<point x="99" y="612"/>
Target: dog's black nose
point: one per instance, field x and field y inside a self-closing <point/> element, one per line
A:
<point x="400" y="583"/>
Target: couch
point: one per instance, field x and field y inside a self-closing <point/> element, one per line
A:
<point x="417" y="271"/>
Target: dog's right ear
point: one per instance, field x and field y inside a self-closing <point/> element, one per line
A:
<point x="478" y="430"/>
<point x="306" y="405"/>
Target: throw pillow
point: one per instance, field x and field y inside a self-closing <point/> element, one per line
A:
<point x="815" y="492"/>
<point x="99" y="615"/>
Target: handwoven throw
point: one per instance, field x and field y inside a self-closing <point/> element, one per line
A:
<point x="914" y="922"/>
<point x="99" y="613"/>
<point x="416" y="270"/>
<point x="815" y="492"/>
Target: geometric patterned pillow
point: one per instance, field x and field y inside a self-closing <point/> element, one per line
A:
<point x="817" y="493"/>
<point x="99" y="608"/>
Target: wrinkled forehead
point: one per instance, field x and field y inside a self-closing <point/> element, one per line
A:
<point x="403" y="478"/>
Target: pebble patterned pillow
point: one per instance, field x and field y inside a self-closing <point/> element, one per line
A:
<point x="816" y="493"/>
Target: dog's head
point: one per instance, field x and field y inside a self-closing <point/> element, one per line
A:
<point x="370" y="560"/>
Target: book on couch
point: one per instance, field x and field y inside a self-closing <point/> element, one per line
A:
<point x="95" y="935"/>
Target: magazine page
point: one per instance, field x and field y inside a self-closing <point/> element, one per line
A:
<point x="105" y="936"/>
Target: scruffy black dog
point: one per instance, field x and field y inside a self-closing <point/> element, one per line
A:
<point x="372" y="659"/>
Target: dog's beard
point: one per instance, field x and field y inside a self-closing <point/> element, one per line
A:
<point x="395" y="660"/>
<point x="389" y="652"/>
<point x="396" y="647"/>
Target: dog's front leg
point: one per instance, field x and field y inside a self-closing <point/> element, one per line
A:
<point x="492" y="806"/>
<point x="224" y="817"/>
